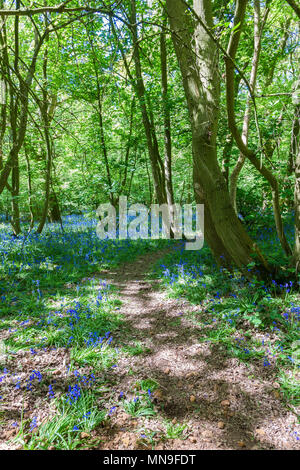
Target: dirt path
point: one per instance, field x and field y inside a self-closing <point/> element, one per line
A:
<point x="225" y="404"/>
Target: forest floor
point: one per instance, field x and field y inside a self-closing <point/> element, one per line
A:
<point x="209" y="401"/>
<point x="143" y="346"/>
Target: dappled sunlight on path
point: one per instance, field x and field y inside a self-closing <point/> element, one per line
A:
<point x="225" y="403"/>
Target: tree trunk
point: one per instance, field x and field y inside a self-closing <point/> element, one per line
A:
<point x="148" y="124"/>
<point x="198" y="60"/>
<point x="297" y="211"/>
<point x="29" y="186"/>
<point x="15" y="176"/>
<point x="226" y="157"/>
<point x="47" y="111"/>
<point x="15" y="190"/>
<point x="54" y="210"/>
<point x="167" y="129"/>
<point x="24" y="85"/>
<point x="128" y="147"/>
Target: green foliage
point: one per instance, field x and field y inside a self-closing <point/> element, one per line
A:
<point x="63" y="430"/>
<point x="139" y="406"/>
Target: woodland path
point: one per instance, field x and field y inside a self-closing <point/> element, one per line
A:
<point x="225" y="403"/>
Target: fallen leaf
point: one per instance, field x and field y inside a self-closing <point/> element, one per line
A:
<point x="207" y="434"/>
<point x="126" y="441"/>
<point x="190" y="374"/>
<point x="241" y="444"/>
<point x="225" y="403"/>
<point x="158" y="394"/>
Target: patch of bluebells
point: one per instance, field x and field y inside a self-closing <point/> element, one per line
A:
<point x="38" y="291"/>
<point x="73" y="394"/>
<point x="5" y="372"/>
<point x="293" y="315"/>
<point x="94" y="340"/>
<point x="18" y="384"/>
<point x="74" y="314"/>
<point x="86" y="416"/>
<point x="102" y="293"/>
<point x="296" y="436"/>
<point x="34" y="375"/>
<point x="112" y="409"/>
<point x="85" y="380"/>
<point x="33" y="423"/>
<point x="266" y="361"/>
<point x="51" y="393"/>
<point x="70" y="249"/>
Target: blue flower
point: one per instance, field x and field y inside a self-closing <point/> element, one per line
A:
<point x="33" y="423"/>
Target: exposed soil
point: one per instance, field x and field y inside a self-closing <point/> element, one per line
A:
<point x="225" y="403"/>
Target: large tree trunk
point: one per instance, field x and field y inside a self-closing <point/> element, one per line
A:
<point x="47" y="179"/>
<point x="258" y="29"/>
<point x="198" y="60"/>
<point x="54" y="214"/>
<point x="167" y="129"/>
<point x="297" y="210"/>
<point x="47" y="112"/>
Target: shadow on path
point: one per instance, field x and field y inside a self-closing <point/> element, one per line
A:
<point x="226" y="404"/>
